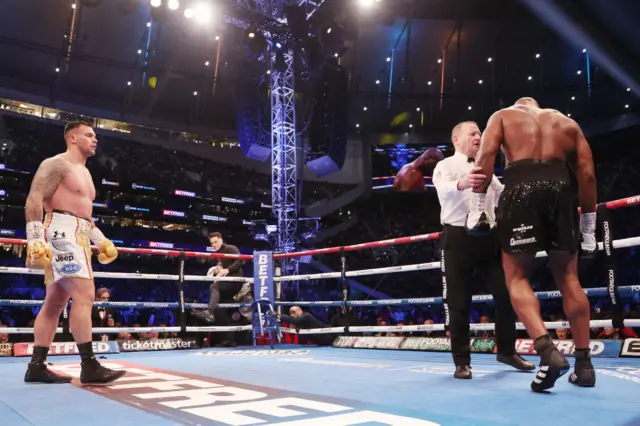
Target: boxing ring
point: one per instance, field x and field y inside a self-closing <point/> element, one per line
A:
<point x="358" y="381"/>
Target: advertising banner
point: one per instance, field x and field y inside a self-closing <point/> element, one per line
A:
<point x="263" y="275"/>
<point x="67" y="348"/>
<point x="599" y="348"/>
<point x="157" y="344"/>
<point x="6" y="349"/>
<point x="630" y="348"/>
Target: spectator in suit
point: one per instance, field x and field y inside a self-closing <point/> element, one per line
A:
<point x="103" y="317"/>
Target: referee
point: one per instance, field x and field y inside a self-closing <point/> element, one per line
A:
<point x="463" y="255"/>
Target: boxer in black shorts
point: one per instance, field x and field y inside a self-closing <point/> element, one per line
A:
<point x="538" y="211"/>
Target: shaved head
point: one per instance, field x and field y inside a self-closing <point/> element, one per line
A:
<point x="528" y="102"/>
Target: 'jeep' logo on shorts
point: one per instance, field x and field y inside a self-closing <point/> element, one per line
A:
<point x="66" y="257"/>
<point x="70" y="268"/>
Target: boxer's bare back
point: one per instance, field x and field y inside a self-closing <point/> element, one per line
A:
<point x="63" y="182"/>
<point x="529" y="132"/>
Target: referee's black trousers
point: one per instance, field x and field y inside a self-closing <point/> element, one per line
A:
<point x="462" y="256"/>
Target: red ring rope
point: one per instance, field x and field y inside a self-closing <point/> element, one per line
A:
<point x="612" y="205"/>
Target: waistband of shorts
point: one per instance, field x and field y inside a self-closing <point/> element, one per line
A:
<point x="60" y="217"/>
<point x="531" y="170"/>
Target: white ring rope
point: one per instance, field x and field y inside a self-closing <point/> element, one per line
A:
<point x="440" y="327"/>
<point x="329" y="330"/>
<point x="622" y="243"/>
<point x="130" y="275"/>
<point x="116" y="330"/>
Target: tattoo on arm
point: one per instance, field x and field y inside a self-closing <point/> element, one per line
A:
<point x="44" y="184"/>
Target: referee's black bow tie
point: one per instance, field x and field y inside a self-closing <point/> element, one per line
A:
<point x="471" y="160"/>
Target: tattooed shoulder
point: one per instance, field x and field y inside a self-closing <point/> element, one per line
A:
<point x="49" y="175"/>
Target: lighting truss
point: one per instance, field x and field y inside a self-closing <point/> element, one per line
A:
<point x="284" y="193"/>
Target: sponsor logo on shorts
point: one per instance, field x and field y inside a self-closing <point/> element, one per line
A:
<point x="70" y="268"/>
<point x="523" y="228"/>
<point x="59" y="241"/>
<point x="65" y="257"/>
<point x="191" y="399"/>
<point x="521" y="242"/>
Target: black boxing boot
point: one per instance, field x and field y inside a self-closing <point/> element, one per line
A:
<point x="37" y="371"/>
<point x="552" y="364"/>
<point x="583" y="373"/>
<point x="91" y="372"/>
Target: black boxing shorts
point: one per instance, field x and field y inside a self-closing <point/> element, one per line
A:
<point x="538" y="209"/>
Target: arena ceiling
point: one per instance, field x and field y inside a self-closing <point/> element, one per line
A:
<point x="416" y="33"/>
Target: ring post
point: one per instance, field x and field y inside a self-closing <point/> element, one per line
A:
<point x="604" y="217"/>
<point x="65" y="319"/>
<point x="277" y="269"/>
<point x="264" y="319"/>
<point x="343" y="279"/>
<point x="183" y="315"/>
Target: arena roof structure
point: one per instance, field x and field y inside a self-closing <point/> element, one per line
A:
<point x="415" y="65"/>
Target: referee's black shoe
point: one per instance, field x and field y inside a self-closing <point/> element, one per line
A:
<point x="516" y="361"/>
<point x="462" y="372"/>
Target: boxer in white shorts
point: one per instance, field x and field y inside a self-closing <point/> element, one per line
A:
<point x="60" y="246"/>
<point x="68" y="237"/>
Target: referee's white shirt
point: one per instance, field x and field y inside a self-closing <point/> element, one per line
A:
<point x="454" y="204"/>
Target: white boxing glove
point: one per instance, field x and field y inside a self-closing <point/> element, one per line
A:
<point x="212" y="271"/>
<point x="588" y="244"/>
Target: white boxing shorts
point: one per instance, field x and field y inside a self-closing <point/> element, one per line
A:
<point x="68" y="237"/>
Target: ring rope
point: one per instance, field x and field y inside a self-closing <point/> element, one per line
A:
<point x="612" y="205"/>
<point x="329" y="330"/>
<point x="116" y="330"/>
<point x="160" y="252"/>
<point x="130" y="275"/>
<point x="622" y="243"/>
<point x="440" y="327"/>
<point x="591" y="292"/>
